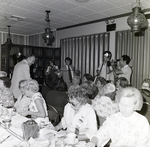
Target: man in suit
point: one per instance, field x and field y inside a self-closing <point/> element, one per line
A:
<point x="67" y="71"/>
<point x="21" y="72"/>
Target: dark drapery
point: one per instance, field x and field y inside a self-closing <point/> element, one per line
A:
<point x="137" y="46"/>
<point x="85" y="51"/>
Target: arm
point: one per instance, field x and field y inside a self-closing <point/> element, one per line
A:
<point x="41" y="111"/>
<point x="117" y="71"/>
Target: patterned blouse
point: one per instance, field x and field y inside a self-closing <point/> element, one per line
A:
<point x="6" y="97"/>
<point x="104" y="106"/>
<point x="132" y="131"/>
<point x="22" y="104"/>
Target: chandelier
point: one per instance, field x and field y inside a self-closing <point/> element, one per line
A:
<point x="48" y="36"/>
<point x="137" y="19"/>
<point x="8" y="42"/>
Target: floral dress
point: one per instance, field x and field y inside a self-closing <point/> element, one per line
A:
<point x="6" y="97"/>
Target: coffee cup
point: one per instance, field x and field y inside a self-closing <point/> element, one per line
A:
<point x="71" y="138"/>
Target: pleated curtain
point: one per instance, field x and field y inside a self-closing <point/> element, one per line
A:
<point x="86" y="52"/>
<point x="137" y="46"/>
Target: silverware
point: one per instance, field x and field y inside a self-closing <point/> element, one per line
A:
<point x="5" y="139"/>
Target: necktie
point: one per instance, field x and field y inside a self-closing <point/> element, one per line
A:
<point x="69" y="73"/>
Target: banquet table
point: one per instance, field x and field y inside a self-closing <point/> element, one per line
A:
<point x="48" y="137"/>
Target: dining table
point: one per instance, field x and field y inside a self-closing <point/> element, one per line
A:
<point x="12" y="135"/>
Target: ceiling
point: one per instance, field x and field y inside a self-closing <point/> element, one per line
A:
<point x="64" y="13"/>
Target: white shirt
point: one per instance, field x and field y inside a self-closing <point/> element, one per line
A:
<point x="126" y="72"/>
<point x="85" y="119"/>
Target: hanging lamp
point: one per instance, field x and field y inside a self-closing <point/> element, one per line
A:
<point x="137" y="19"/>
<point x="48" y="35"/>
<point x="8" y="42"/>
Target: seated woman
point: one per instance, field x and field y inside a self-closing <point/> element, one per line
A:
<point x="121" y="82"/>
<point x="105" y="105"/>
<point x="37" y="107"/>
<point x="126" y="128"/>
<point x="87" y="77"/>
<point x="75" y="82"/>
<point x="23" y="102"/>
<point x="6" y="95"/>
<point x="100" y="82"/>
<point x="79" y="116"/>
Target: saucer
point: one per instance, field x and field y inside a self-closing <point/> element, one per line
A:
<point x="75" y="142"/>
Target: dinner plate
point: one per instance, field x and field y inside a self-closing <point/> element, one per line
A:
<point x="75" y="142"/>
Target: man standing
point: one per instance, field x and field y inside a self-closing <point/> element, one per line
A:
<point x="67" y="71"/>
<point x="21" y="72"/>
<point x="125" y="70"/>
<point x="104" y="70"/>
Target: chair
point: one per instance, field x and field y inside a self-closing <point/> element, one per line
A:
<point x="53" y="115"/>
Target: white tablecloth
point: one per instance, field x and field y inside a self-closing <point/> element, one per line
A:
<point x="15" y="127"/>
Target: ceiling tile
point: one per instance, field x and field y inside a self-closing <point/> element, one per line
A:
<point x="82" y="3"/>
<point x="63" y="5"/>
<point x="44" y="2"/>
<point x="65" y="15"/>
<point x="120" y="2"/>
<point x="81" y="11"/>
<point x="100" y="6"/>
<point x="114" y="12"/>
<point x="6" y="1"/>
<point x="96" y="16"/>
<point x="26" y="4"/>
<point x="34" y="15"/>
<point x="14" y="10"/>
<point x="78" y="20"/>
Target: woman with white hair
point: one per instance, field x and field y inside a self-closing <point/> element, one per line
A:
<point x="126" y="128"/>
<point x="37" y="107"/>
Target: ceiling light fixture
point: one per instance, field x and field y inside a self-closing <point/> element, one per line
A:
<point x="48" y="36"/>
<point x="137" y="19"/>
<point x="9" y="42"/>
<point x="16" y="18"/>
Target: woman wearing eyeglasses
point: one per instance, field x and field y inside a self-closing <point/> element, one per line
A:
<point x="79" y="116"/>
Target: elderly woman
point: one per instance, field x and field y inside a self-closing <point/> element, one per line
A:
<point x="6" y="96"/>
<point x="37" y="107"/>
<point x="126" y="128"/>
<point x="79" y="117"/>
